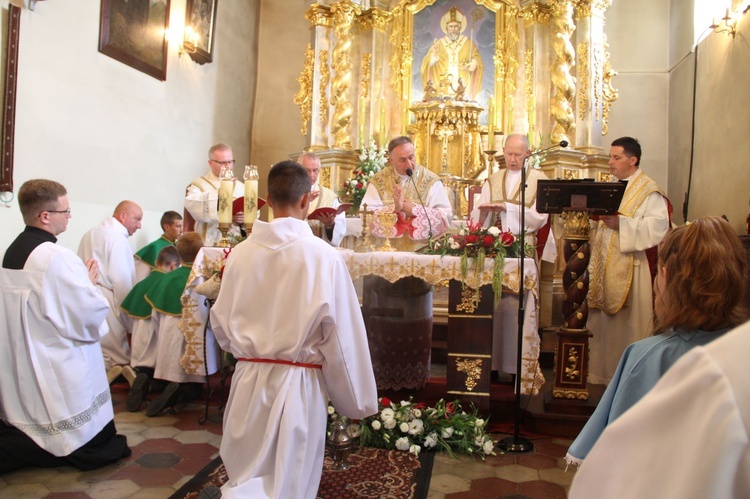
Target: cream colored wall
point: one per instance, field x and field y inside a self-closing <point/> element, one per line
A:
<point x="109" y="132"/>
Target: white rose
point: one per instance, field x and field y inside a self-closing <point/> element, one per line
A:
<point x="488" y="447"/>
<point x="454" y="244"/>
<point x="404" y="427"/>
<point x="389" y="424"/>
<point x="404" y="403"/>
<point x="493" y="231"/>
<point x="387" y="414"/>
<point x="463" y="232"/>
<point x="447" y="432"/>
<point x="479" y="422"/>
<point x="414" y="449"/>
<point x="417" y="413"/>
<point x="431" y="440"/>
<point x="403" y="443"/>
<point x="375" y="425"/>
<point x="331" y="410"/>
<point x="416" y="427"/>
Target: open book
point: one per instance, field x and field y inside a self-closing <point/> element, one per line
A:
<point x="238" y="205"/>
<point x="315" y="215"/>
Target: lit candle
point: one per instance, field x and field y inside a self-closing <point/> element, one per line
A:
<point x="491" y="125"/>
<point x="362" y="119"/>
<point x="225" y="201"/>
<point x="251" y="194"/>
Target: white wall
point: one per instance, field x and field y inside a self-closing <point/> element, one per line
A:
<point x="109" y="132"/>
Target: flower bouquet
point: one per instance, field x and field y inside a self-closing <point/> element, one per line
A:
<point x="371" y="160"/>
<point x="414" y="427"/>
<point x="476" y="242"/>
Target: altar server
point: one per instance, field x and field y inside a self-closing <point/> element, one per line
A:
<point x="145" y="258"/>
<point x="287" y="310"/>
<point x="54" y="397"/>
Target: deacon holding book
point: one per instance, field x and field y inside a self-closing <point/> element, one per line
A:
<point x="202" y="198"/>
<point x="300" y="342"/>
<point x="327" y="225"/>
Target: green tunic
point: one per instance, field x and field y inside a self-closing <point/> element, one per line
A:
<point x="165" y="295"/>
<point x="150" y="252"/>
<point x="135" y="304"/>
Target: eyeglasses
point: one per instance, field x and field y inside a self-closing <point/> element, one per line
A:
<point x="224" y="163"/>
<point x="67" y="212"/>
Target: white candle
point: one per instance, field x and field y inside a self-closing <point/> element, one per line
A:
<point x="491" y="125"/>
<point x="251" y="201"/>
<point x="225" y="201"/>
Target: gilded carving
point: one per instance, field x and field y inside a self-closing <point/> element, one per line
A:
<point x="572" y="394"/>
<point x="598" y="55"/>
<point x="535" y="13"/>
<point x="572" y="372"/>
<point x="473" y="370"/>
<point x="470" y="299"/>
<point x="563" y="83"/>
<point x="343" y="18"/>
<point x="585" y="8"/>
<point x="304" y="97"/>
<point x="375" y="19"/>
<point x="365" y="73"/>
<point x="569" y="174"/>
<point x="529" y="89"/>
<point x="325" y="177"/>
<point x="583" y="79"/>
<point x="609" y="93"/>
<point x="325" y="78"/>
<point x="576" y="225"/>
<point x="605" y="177"/>
<point x="511" y="36"/>
<point x="319" y="15"/>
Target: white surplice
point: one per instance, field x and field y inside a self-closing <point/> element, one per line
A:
<point x="170" y="349"/>
<point x="108" y="244"/>
<point x="287" y="295"/>
<point x="688" y="438"/>
<point x="201" y="201"/>
<point x="54" y="387"/>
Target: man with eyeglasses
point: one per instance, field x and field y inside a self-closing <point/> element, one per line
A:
<point x="202" y="198"/>
<point x="52" y="318"/>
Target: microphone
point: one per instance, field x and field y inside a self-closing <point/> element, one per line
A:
<point x="410" y="173"/>
<point x="563" y="143"/>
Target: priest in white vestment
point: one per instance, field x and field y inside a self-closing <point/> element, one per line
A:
<point x="411" y="191"/>
<point x="331" y="228"/>
<point x="202" y="198"/>
<point x="108" y="244"/>
<point x="500" y="204"/>
<point x="55" y="402"/>
<point x="287" y="310"/>
<point x="688" y="438"/>
<point x="620" y="293"/>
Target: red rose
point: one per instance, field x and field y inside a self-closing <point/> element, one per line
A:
<point x="359" y="185"/>
<point x="385" y="402"/>
<point x="420" y="406"/>
<point x="506" y="238"/>
<point x="472" y="238"/>
<point x="488" y="241"/>
<point x="449" y="409"/>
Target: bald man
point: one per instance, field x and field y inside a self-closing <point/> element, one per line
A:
<point x="108" y="244"/>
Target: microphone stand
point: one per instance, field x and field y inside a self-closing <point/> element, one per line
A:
<point x="517" y="443"/>
<point x="410" y="174"/>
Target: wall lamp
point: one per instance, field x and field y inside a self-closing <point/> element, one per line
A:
<point x="727" y="24"/>
<point x="189" y="41"/>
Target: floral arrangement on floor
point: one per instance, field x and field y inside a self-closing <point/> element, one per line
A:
<point x="476" y="242"/>
<point x="414" y="427"/>
<point x="371" y="161"/>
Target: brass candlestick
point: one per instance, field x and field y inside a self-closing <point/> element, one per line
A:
<point x="388" y="221"/>
<point x="490" y="160"/>
<point x="365" y="246"/>
<point x="224" y="242"/>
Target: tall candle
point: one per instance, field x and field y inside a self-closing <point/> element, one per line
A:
<point x="491" y="125"/>
<point x="225" y="201"/>
<point x="251" y="201"/>
<point x="383" y="138"/>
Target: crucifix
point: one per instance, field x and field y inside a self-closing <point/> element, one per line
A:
<point x="445" y="131"/>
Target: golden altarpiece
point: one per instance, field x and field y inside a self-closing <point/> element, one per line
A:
<point x="372" y="71"/>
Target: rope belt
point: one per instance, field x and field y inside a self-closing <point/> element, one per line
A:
<point x="285" y="362"/>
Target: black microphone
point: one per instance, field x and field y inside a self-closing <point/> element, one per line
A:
<point x="563" y="143"/>
<point x="410" y="174"/>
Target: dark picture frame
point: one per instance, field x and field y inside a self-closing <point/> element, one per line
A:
<point x="133" y="32"/>
<point x="200" y="15"/>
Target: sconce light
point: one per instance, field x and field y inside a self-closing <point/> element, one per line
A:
<point x="726" y="24"/>
<point x="190" y="41"/>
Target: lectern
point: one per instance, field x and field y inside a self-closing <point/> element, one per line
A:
<point x="576" y="201"/>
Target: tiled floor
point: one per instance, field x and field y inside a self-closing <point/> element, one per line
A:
<point x="169" y="449"/>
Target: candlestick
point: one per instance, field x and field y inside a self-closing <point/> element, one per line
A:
<point x="491" y="124"/>
<point x="251" y="196"/>
<point x="383" y="138"/>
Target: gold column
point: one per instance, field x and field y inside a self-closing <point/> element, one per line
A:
<point x="563" y="86"/>
<point x="344" y="13"/>
<point x="317" y="85"/>
<point x="536" y="17"/>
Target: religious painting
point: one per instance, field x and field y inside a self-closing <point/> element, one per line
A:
<point x="133" y="32"/>
<point x="200" y="20"/>
<point x="453" y="45"/>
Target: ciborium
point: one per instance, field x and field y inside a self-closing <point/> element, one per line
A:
<point x="387" y="221"/>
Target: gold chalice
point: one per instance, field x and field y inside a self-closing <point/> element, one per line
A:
<point x="387" y="221"/>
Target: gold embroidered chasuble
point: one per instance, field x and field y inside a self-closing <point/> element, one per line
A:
<point x="499" y="192"/>
<point x="611" y="270"/>
<point x="386" y="178"/>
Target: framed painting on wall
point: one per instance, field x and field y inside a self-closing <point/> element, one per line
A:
<point x="133" y="32"/>
<point x="200" y="22"/>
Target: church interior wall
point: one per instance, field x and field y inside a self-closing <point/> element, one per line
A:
<point x="109" y="132"/>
